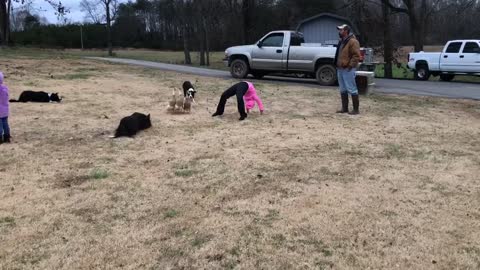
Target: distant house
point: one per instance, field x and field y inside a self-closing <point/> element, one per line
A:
<point x="322" y="28"/>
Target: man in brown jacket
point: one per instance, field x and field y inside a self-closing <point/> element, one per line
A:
<point x="347" y="58"/>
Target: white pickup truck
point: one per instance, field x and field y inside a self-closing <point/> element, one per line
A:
<point x="458" y="57"/>
<point x="286" y="52"/>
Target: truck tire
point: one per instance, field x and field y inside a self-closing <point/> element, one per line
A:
<point x="447" y="77"/>
<point x="326" y="75"/>
<point x="422" y="73"/>
<point x="239" y="69"/>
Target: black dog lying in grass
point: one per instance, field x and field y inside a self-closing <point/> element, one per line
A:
<point x="130" y="125"/>
<point x="32" y="96"/>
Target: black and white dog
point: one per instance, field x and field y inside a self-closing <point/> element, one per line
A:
<point x="130" y="125"/>
<point x="188" y="90"/>
<point x="33" y="96"/>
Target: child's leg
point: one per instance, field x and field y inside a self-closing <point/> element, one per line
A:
<point x="240" y="103"/>
<point x="1" y="130"/>
<point x="223" y="100"/>
<point x="6" y="128"/>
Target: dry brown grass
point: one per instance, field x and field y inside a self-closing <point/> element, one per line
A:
<point x="298" y="188"/>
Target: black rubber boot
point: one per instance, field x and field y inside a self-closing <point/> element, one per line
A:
<point x="356" y="104"/>
<point x="6" y="138"/>
<point x="344" y="104"/>
<point x="216" y="114"/>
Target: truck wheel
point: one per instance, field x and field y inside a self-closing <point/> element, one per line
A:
<point x="422" y="73"/>
<point x="326" y="75"/>
<point x="239" y="69"/>
<point x="446" y="77"/>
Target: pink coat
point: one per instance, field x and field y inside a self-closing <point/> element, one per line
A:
<point x="251" y="97"/>
<point x="4" y="110"/>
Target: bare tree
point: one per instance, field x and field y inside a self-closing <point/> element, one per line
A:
<point x="110" y="11"/>
<point x="17" y="19"/>
<point x="387" y="40"/>
<point x="419" y="14"/>
<point x="5" y="14"/>
<point x="5" y="7"/>
<point x="248" y="7"/>
<point x="92" y="10"/>
<point x="184" y="11"/>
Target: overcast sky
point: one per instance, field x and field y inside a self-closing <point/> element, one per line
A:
<point x="43" y="9"/>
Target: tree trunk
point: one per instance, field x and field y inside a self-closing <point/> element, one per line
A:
<point x="416" y="27"/>
<point x="202" y="42"/>
<point x="109" y="30"/>
<point x="164" y="31"/>
<point x="207" y="45"/>
<point x="186" y="50"/>
<point x="7" y="30"/>
<point x="423" y="18"/>
<point x="247" y="8"/>
<point x="387" y="41"/>
<point x="202" y="48"/>
<point x="418" y="42"/>
<point x="3" y="22"/>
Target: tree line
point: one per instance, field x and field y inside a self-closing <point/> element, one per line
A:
<point x="207" y="25"/>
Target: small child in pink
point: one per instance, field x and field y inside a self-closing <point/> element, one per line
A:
<point x="4" y="111"/>
<point x="246" y="97"/>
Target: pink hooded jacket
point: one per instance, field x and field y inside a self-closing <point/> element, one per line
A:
<point x="251" y="97"/>
<point x="4" y="110"/>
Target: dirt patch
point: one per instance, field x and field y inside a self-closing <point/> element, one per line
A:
<point x="298" y="187"/>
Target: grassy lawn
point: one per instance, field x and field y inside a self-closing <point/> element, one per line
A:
<point x="299" y="187"/>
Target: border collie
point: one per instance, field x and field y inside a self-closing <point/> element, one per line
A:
<point x="33" y="96"/>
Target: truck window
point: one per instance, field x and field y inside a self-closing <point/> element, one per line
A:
<point x="296" y="40"/>
<point x="274" y="40"/>
<point x="471" y="47"/>
<point x="454" y="47"/>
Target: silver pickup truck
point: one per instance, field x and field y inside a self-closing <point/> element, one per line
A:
<point x="286" y="52"/>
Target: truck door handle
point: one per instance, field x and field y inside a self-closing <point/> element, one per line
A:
<point x="462" y="56"/>
<point x="279" y="51"/>
<point x="445" y="56"/>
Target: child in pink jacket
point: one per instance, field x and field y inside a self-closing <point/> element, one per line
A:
<point x="4" y="111"/>
<point x="246" y="97"/>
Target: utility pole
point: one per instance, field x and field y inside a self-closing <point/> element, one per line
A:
<point x="81" y="36"/>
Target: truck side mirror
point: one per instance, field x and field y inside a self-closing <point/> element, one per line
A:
<point x="259" y="44"/>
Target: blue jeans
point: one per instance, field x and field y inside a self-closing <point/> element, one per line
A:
<point x="4" y="128"/>
<point x="346" y="81"/>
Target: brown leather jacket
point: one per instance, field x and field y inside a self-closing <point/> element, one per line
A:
<point x="349" y="55"/>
